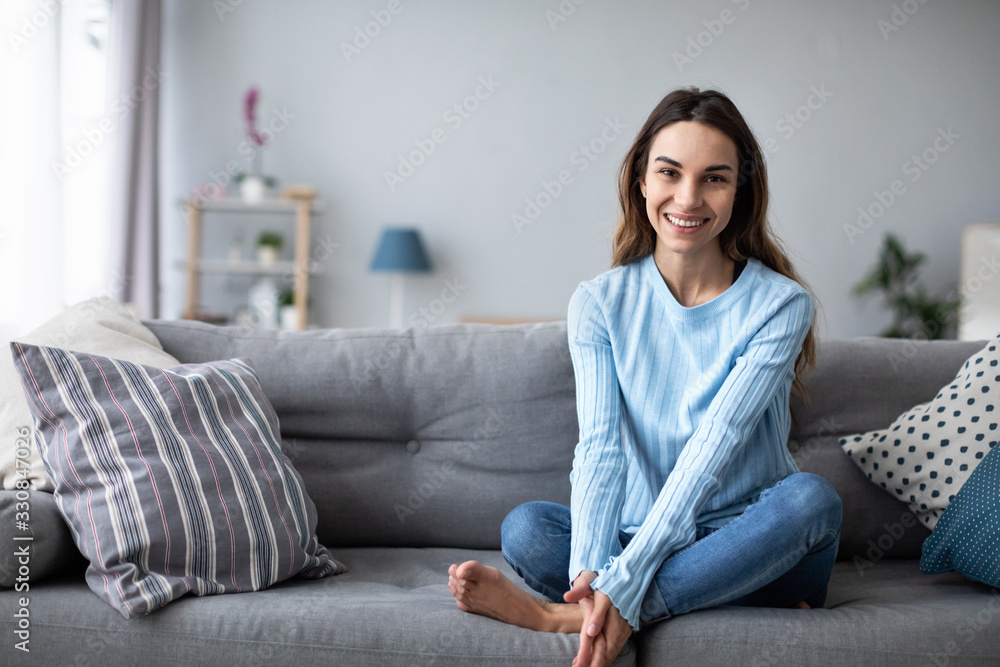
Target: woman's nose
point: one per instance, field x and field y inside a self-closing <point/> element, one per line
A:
<point x="688" y="194"/>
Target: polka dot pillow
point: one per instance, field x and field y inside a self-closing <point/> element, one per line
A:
<point x="967" y="538"/>
<point x="925" y="456"/>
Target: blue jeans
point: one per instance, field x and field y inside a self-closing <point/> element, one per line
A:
<point x="778" y="552"/>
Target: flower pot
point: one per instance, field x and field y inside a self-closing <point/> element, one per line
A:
<point x="253" y="189"/>
<point x="289" y="318"/>
<point x="264" y="304"/>
<point x="267" y="254"/>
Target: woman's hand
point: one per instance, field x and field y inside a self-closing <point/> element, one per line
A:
<point x="604" y="631"/>
<point x="581" y="587"/>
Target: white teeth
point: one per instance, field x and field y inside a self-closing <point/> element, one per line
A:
<point x="684" y="223"/>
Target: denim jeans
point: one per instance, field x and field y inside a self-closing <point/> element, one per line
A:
<point x="778" y="552"/>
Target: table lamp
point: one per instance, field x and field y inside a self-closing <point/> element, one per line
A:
<point x="400" y="251"/>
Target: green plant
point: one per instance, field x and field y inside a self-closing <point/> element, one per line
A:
<point x="287" y="298"/>
<point x="270" y="240"/>
<point x="914" y="313"/>
<point x="269" y="181"/>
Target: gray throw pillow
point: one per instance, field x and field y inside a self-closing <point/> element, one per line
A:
<point x="172" y="480"/>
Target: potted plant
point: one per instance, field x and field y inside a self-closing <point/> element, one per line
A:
<point x="288" y="314"/>
<point x="254" y="186"/>
<point x="268" y="246"/>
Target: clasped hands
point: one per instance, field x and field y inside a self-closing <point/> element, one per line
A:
<point x="604" y="631"/>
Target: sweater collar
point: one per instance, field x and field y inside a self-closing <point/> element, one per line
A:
<point x="711" y="308"/>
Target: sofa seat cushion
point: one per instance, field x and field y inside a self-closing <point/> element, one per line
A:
<point x="391" y="608"/>
<point x="890" y="615"/>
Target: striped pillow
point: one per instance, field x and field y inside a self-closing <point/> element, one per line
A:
<point x="172" y="480"/>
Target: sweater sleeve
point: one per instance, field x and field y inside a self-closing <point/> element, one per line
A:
<point x="599" y="466"/>
<point x="766" y="364"/>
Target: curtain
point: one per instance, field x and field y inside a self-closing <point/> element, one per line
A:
<point x="32" y="281"/>
<point x="136" y="78"/>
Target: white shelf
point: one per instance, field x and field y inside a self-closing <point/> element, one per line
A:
<point x="230" y="205"/>
<point x="247" y="267"/>
<point x="301" y="210"/>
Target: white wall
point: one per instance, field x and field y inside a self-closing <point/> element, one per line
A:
<point x="558" y="86"/>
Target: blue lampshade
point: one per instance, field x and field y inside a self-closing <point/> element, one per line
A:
<point x="401" y="250"/>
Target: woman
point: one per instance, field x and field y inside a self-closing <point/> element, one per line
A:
<point x="684" y="495"/>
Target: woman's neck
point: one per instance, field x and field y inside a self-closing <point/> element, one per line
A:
<point x="695" y="279"/>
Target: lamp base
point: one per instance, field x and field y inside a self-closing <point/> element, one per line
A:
<point x="396" y="301"/>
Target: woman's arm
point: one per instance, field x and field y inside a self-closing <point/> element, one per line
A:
<point x="767" y="364"/>
<point x="599" y="466"/>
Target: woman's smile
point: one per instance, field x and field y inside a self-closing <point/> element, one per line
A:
<point x="685" y="223"/>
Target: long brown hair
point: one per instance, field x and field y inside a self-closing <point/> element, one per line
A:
<point x="748" y="233"/>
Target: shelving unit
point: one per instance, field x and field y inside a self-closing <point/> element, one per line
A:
<point x="300" y="268"/>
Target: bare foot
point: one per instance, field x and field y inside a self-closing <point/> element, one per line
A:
<point x="801" y="605"/>
<point x="484" y="590"/>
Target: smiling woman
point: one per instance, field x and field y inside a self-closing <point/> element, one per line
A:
<point x="685" y="356"/>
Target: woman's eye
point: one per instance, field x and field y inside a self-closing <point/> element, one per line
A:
<point x="716" y="179"/>
<point x="668" y="172"/>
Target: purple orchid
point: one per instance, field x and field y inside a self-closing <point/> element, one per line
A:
<point x="250" y="116"/>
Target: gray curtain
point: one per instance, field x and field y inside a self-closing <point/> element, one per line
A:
<point x="136" y="79"/>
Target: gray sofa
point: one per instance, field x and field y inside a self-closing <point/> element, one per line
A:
<point x="415" y="444"/>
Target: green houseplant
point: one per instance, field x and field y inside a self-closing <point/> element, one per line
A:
<point x="915" y="314"/>
<point x="269" y="244"/>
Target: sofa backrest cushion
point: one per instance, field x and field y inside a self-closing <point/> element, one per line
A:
<point x="421" y="437"/>
<point x="430" y="436"/>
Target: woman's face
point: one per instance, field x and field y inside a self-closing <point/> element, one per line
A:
<point x="690" y="186"/>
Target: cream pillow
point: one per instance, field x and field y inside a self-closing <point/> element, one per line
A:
<point x="98" y="326"/>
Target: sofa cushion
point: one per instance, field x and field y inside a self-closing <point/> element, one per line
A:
<point x="172" y="480"/>
<point x="927" y="453"/>
<point x="43" y="534"/>
<point x="99" y="325"/>
<point x="965" y="538"/>
<point x="391" y="609"/>
<point x="890" y="615"/>
<point x="398" y="434"/>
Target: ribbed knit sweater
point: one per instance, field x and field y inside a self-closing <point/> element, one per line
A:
<point x="683" y="414"/>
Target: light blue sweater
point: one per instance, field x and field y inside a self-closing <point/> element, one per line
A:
<point x="683" y="414"/>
